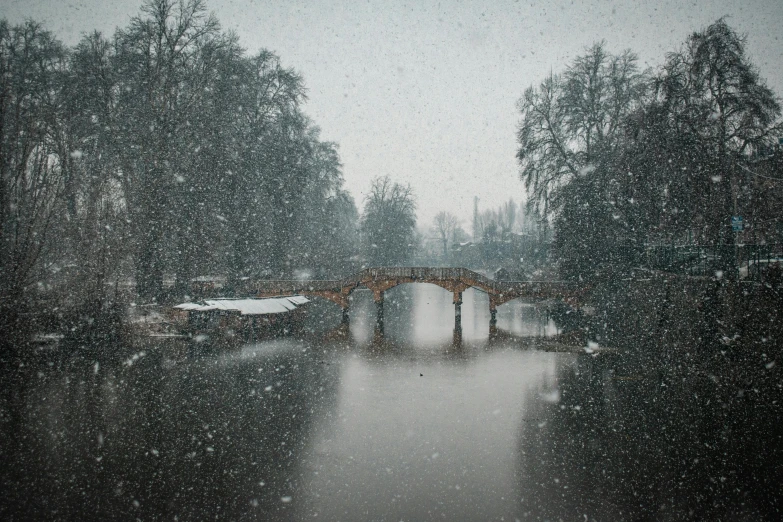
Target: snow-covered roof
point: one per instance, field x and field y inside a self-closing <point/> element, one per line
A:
<point x="188" y="306"/>
<point x="269" y="305"/>
<point x="298" y="299"/>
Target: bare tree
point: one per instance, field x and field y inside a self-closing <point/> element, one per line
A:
<point x="444" y="226"/>
<point x="31" y="171"/>
<point x="388" y="223"/>
<point x="164" y="67"/>
<point x="717" y="104"/>
<point x="574" y="120"/>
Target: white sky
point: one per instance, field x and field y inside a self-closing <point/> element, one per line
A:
<point x="425" y="91"/>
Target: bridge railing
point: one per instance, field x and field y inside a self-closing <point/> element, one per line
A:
<point x="413" y="273"/>
<point x="479" y="278"/>
<point x="445" y="274"/>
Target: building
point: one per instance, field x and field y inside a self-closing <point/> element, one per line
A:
<point x="243" y="318"/>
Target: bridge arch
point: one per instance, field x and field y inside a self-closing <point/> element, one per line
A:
<point x="456" y="280"/>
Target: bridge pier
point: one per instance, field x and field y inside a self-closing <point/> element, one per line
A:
<point x="345" y="315"/>
<point x="379" y="308"/>
<point x="493" y="310"/>
<point x="456" y="341"/>
<point x="457" y="309"/>
<point x="378" y="335"/>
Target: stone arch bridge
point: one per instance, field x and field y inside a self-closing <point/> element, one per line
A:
<point x="455" y="280"/>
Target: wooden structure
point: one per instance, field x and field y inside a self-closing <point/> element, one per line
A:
<point x="455" y="280"/>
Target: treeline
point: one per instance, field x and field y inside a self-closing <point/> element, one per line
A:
<point x="163" y="152"/>
<point x="509" y="218"/>
<point x="512" y="237"/>
<point x="618" y="158"/>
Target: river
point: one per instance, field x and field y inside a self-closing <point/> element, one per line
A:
<point x="417" y="421"/>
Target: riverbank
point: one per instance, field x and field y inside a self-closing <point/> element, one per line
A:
<point x="660" y="313"/>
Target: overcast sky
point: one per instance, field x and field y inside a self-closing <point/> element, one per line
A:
<point x="425" y="92"/>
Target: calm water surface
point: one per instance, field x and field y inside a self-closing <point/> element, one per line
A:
<point x="418" y="421"/>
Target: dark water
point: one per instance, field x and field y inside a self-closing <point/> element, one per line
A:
<point x="421" y="421"/>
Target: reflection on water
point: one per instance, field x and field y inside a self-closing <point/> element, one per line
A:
<point x="415" y="420"/>
<point x="205" y="437"/>
<point x="627" y="441"/>
<point x="418" y="436"/>
<point x="423" y="315"/>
